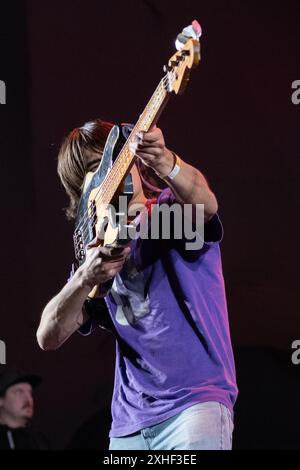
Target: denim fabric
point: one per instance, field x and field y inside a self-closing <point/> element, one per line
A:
<point x="205" y="426"/>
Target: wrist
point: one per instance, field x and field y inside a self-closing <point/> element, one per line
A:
<point x="174" y="170"/>
<point x="166" y="164"/>
<point x="84" y="281"/>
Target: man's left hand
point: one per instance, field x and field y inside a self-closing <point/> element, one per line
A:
<point x="154" y="153"/>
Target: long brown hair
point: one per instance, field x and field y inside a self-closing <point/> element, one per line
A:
<point x="72" y="164"/>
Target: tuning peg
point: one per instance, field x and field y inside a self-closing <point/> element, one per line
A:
<point x="167" y="68"/>
<point x="175" y="63"/>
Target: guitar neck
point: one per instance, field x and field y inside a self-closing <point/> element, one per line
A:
<point x="126" y="157"/>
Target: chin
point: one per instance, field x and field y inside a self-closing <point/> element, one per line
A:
<point x="28" y="415"/>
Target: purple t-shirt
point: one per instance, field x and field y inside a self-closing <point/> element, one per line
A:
<point x="168" y="310"/>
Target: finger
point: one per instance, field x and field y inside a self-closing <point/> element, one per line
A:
<point x="153" y="136"/>
<point x="150" y="149"/>
<point x="148" y="157"/>
<point x="150" y="139"/>
<point x="113" y="263"/>
<point x="101" y="269"/>
<point x="122" y="250"/>
<point x="113" y="252"/>
<point x="112" y="259"/>
<point x="94" y="243"/>
<point x="110" y="272"/>
<point x="104" y="264"/>
<point x="158" y="145"/>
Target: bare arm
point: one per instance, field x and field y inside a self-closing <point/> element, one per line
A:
<point x="189" y="186"/>
<point x="64" y="314"/>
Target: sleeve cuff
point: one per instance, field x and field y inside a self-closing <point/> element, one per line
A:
<point x="99" y="316"/>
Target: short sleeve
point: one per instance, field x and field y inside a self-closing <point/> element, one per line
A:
<point x="166" y="197"/>
<point x="97" y="311"/>
<point x="213" y="229"/>
<point x="99" y="317"/>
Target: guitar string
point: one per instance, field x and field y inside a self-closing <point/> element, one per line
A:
<point x="118" y="164"/>
<point x="90" y="222"/>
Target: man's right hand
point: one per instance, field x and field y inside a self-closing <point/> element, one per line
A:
<point x="102" y="264"/>
<point x="64" y="314"/>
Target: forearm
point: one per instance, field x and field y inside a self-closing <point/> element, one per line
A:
<point x="63" y="314"/>
<point x="189" y="185"/>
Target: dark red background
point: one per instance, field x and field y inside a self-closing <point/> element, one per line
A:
<point x="66" y="62"/>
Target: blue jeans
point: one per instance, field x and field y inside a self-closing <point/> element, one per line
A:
<point x="205" y="426"/>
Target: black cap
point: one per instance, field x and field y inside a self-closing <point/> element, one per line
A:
<point x="9" y="377"/>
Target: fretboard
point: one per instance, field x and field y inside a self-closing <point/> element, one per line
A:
<point x="126" y="157"/>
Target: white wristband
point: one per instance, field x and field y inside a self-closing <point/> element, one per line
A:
<point x="175" y="170"/>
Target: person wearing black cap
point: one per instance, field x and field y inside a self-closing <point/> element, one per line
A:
<point x="16" y="411"/>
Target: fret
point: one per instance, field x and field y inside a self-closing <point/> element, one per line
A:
<point x="126" y="156"/>
<point x="90" y="213"/>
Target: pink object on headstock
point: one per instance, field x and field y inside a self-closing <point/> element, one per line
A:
<point x="197" y="28"/>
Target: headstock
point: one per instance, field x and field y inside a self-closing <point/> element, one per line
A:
<point x="188" y="57"/>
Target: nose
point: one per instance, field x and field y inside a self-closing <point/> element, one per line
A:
<point x="29" y="399"/>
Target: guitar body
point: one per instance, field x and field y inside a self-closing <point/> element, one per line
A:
<point x="92" y="217"/>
